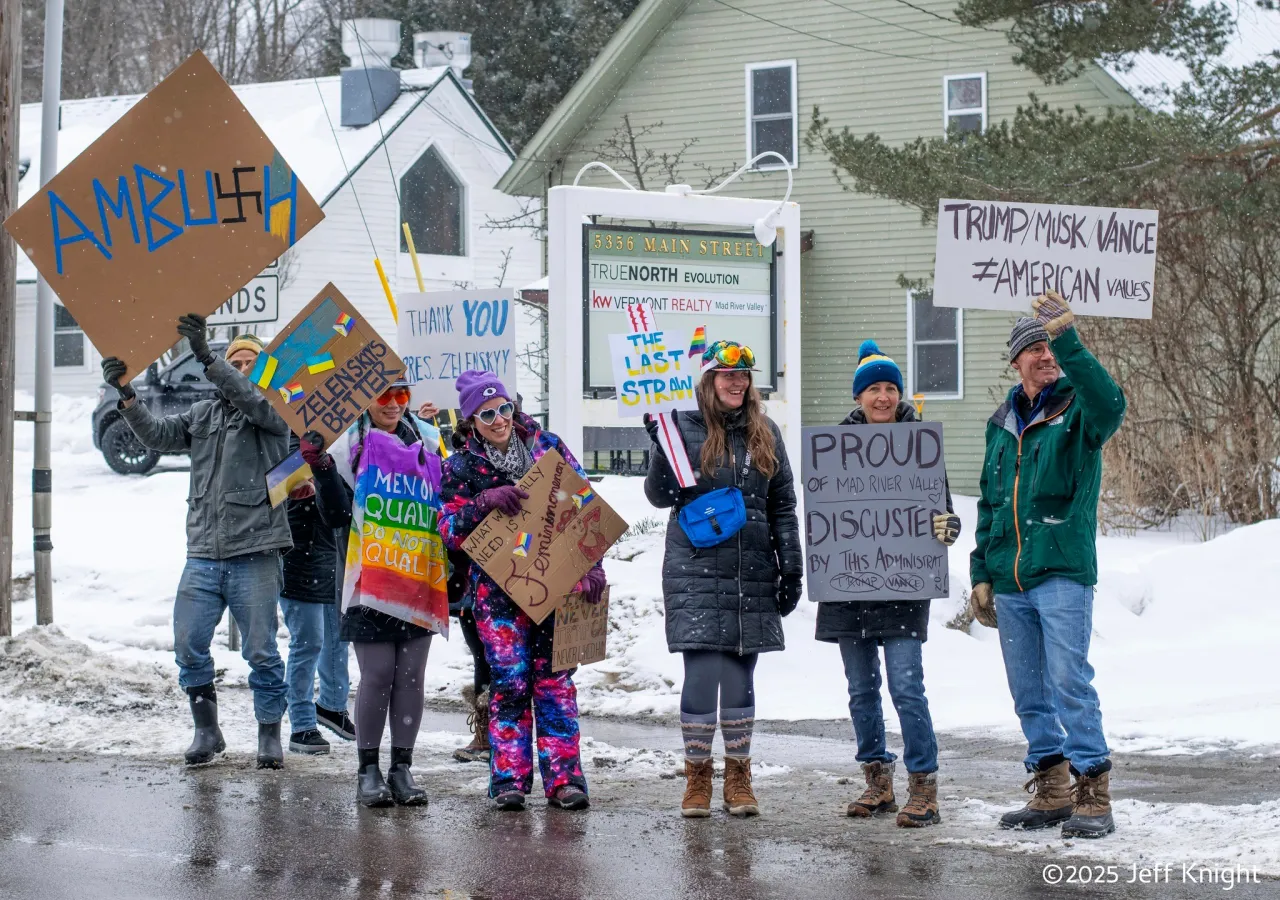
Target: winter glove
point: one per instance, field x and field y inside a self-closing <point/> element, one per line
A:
<point x="1053" y="313"/>
<point x="651" y="426"/>
<point x="112" y="371"/>
<point x="592" y="585"/>
<point x="506" y="499"/>
<point x="789" y="594"/>
<point x="946" y="527"/>
<point x="192" y="328"/>
<point x="982" y="603"/>
<point x="312" y="449"/>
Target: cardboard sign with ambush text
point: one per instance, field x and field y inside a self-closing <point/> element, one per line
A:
<point x="562" y="530"/>
<point x="581" y="631"/>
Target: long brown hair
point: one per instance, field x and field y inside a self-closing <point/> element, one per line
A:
<point x="759" y="434"/>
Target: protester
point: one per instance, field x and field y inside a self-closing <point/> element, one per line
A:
<point x="1035" y="563"/>
<point x="725" y="601"/>
<point x="900" y="627"/>
<point x="234" y="536"/>
<point x="391" y="651"/>
<point x="503" y="446"/>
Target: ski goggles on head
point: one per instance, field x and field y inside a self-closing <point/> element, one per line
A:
<point x="728" y="355"/>
<point x="396" y="395"/>
<point x="489" y="416"/>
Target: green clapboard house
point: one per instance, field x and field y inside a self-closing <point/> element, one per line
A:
<point x="723" y="80"/>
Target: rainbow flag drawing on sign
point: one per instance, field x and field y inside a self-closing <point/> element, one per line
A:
<point x="292" y="392"/>
<point x="343" y="325"/>
<point x="583" y="497"/>
<point x="321" y="362"/>
<point x="699" y="344"/>
<point x="524" y="540"/>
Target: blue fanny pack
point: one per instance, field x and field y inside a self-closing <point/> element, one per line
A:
<point x="714" y="517"/>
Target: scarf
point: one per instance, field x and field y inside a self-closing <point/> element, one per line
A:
<point x="513" y="462"/>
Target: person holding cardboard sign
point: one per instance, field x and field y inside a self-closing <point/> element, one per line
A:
<point x="733" y="567"/>
<point x="234" y="535"/>
<point x="503" y="446"/>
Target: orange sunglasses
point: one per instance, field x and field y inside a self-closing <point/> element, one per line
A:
<point x="397" y="395"/>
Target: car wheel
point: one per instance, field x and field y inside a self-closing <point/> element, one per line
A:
<point x="123" y="451"/>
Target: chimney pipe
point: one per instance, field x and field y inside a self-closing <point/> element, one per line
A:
<point x="369" y="85"/>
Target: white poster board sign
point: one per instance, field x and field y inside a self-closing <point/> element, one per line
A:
<point x="442" y="334"/>
<point x="1003" y="255"/>
<point x="652" y="372"/>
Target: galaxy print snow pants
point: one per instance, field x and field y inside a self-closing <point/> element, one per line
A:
<point x="522" y="686"/>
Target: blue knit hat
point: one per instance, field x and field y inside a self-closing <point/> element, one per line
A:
<point x="874" y="366"/>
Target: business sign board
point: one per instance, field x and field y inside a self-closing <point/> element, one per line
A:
<point x="723" y="280"/>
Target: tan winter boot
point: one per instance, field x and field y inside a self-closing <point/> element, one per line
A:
<point x="1091" y="817"/>
<point x="922" y="804"/>
<point x="739" y="799"/>
<point x="697" y="789"/>
<point x="1050" y="802"/>
<point x="478" y="722"/>
<point x="878" y="797"/>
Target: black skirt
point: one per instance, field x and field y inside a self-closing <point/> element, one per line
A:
<point x="362" y="625"/>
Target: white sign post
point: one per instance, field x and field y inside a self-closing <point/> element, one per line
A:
<point x="1003" y="255"/>
<point x="442" y="334"/>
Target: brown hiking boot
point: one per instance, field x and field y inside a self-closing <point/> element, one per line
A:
<point x="922" y="804"/>
<point x="1091" y="817"/>
<point x="878" y="797"/>
<point x="478" y="722"/>
<point x="1050" y="801"/>
<point x="739" y="799"/>
<point x="697" y="789"/>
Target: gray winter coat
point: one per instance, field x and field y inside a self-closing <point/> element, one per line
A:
<point x="233" y="442"/>
<point x="726" y="597"/>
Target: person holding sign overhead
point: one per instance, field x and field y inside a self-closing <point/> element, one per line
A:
<point x="733" y="567"/>
<point x="502" y="447"/>
<point x="900" y="627"/>
<point x="234" y="535"/>
<point x="1035" y="563"/>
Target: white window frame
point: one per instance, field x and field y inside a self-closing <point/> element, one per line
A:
<point x="911" y="353"/>
<point x="84" y="348"/>
<point x="947" y="114"/>
<point x="771" y="164"/>
<point x="439" y="266"/>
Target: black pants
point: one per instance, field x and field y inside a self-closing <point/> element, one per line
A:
<point x="480" y="676"/>
<point x="711" y="676"/>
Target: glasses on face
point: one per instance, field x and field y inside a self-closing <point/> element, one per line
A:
<point x="489" y="416"/>
<point x="399" y="396"/>
<point x="732" y="355"/>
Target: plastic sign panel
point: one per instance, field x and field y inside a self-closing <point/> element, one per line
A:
<point x="443" y="334"/>
<point x="1003" y="255"/>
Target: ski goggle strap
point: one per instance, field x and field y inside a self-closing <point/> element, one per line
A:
<point x="728" y="355"/>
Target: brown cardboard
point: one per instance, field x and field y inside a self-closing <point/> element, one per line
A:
<point x="580" y="634"/>
<point x="565" y="538"/>
<point x="313" y="394"/>
<point x="196" y="227"/>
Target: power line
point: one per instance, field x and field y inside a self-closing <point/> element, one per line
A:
<point x="935" y="37"/>
<point x="937" y="15"/>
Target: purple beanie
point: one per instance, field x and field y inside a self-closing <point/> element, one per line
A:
<point x="476" y="387"/>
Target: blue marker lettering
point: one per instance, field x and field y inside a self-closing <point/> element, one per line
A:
<point x="55" y="203"/>
<point x="187" y="218"/>
<point x="124" y="201"/>
<point x="269" y="201"/>
<point x="149" y="208"/>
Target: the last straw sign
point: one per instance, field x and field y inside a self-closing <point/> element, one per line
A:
<point x="870" y="495"/>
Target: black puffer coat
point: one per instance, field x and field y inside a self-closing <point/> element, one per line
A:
<point x="875" y="619"/>
<point x="312" y="567"/>
<point x="726" y="597"/>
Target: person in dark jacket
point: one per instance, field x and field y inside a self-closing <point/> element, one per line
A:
<point x="900" y="627"/>
<point x="724" y="604"/>
<point x="234" y="535"/>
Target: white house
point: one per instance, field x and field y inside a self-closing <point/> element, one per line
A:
<point x="427" y="155"/>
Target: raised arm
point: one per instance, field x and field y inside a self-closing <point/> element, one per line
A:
<point x="1099" y="396"/>
<point x="241" y="394"/>
<point x="168" y="434"/>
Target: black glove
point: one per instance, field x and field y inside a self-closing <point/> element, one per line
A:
<point x="112" y="371"/>
<point x="192" y="328"/>
<point x="651" y="426"/>
<point x="789" y="594"/>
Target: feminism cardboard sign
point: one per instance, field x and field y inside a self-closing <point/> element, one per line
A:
<point x="581" y="631"/>
<point x="562" y="530"/>
<point x="172" y="210"/>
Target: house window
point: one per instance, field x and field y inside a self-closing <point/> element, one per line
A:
<point x="771" y="112"/>
<point x="935" y="335"/>
<point x="68" y="339"/>
<point x="964" y="103"/>
<point x="433" y="200"/>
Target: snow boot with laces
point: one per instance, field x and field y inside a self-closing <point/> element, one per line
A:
<point x="400" y="780"/>
<point x="270" y="751"/>
<point x="1050" y="802"/>
<point x="371" y="788"/>
<point x="922" y="804"/>
<point x="478" y="723"/>
<point x="697" y="789"/>
<point x="1091" y="814"/>
<point x="878" y="797"/>
<point x="739" y="799"/>
<point x="207" y="742"/>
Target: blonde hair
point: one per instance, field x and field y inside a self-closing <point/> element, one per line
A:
<point x="759" y="435"/>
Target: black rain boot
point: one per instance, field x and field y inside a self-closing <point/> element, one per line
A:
<point x="371" y="790"/>
<point x="207" y="742"/>
<point x="270" y="753"/>
<point x="400" y="779"/>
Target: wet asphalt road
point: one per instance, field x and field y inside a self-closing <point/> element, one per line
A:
<point x="83" y="826"/>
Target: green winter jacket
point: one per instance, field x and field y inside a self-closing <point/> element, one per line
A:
<point x="1038" y="503"/>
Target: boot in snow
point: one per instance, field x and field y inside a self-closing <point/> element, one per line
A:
<point x="270" y="753"/>
<point x="739" y="799"/>
<point x="697" y="789"/>
<point x="371" y="789"/>
<point x="207" y="742"/>
<point x="569" y="796"/>
<point x="922" y="804"/>
<point x="510" y="800"/>
<point x="337" y="721"/>
<point x="878" y="797"/>
<point x="478" y="722"/>
<point x="400" y="779"/>
<point x="309" y="742"/>
<point x="1050" y="802"/>
<point x="1091" y="817"/>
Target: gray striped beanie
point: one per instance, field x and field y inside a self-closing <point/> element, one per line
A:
<point x="1026" y="331"/>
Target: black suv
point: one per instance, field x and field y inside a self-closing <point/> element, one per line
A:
<point x="166" y="391"/>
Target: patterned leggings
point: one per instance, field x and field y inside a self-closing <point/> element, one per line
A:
<point x="522" y="684"/>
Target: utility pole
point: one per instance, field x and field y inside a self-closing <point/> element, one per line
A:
<point x="10" y="89"/>
<point x="41" y="470"/>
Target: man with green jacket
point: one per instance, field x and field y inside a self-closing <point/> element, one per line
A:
<point x="1036" y="562"/>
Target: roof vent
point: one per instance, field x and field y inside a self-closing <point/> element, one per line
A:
<point x="442" y="48"/>
<point x="370" y="85"/>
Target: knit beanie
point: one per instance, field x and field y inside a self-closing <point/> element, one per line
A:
<point x="475" y="388"/>
<point x="874" y="366"/>
<point x="244" y="342"/>
<point x="1026" y="331"/>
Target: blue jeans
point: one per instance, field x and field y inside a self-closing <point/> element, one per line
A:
<point x="249" y="586"/>
<point x="902" y="659"/>
<point x="1044" y="634"/>
<point x="314" y="647"/>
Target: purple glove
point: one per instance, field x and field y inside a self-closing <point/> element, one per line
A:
<point x="506" y="499"/>
<point x="311" y="447"/>
<point x="592" y="585"/>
